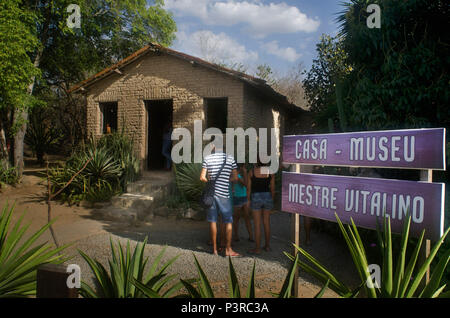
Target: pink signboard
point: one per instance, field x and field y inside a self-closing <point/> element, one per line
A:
<point x="411" y="149"/>
<point x="365" y="200"/>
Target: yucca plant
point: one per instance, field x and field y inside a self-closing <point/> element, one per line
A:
<point x="202" y="287"/>
<point x="187" y="177"/>
<point x="20" y="256"/>
<point x="121" y="148"/>
<point x="126" y="277"/>
<point x="401" y="281"/>
<point x="112" y="164"/>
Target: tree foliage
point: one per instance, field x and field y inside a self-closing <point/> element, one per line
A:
<point x="330" y="67"/>
<point x="400" y="77"/>
<point x="395" y="76"/>
<point x="37" y="40"/>
<point x="17" y="40"/>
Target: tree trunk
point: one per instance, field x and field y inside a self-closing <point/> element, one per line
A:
<point x="19" y="138"/>
<point x="4" y="155"/>
<point x="22" y="115"/>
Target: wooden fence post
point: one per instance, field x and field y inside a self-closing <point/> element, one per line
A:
<point x="295" y="233"/>
<point x="52" y="282"/>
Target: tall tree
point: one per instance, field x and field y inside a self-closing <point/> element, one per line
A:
<point x="400" y="70"/>
<point x="109" y="31"/>
<point x="329" y="69"/>
<point x="17" y="40"/>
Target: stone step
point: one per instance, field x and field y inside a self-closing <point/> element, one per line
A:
<point x="133" y="200"/>
<point x="118" y="214"/>
<point x="142" y="197"/>
<point x="145" y="187"/>
<point x="125" y="215"/>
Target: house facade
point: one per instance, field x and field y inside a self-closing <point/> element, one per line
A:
<point x="157" y="86"/>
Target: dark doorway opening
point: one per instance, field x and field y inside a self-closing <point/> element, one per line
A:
<point x="159" y="117"/>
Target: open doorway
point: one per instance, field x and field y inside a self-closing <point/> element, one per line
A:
<point x="159" y="118"/>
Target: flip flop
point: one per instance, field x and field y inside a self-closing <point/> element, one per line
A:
<point x="234" y="255"/>
<point x="267" y="249"/>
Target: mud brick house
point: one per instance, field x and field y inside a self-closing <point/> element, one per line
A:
<point x="156" y="85"/>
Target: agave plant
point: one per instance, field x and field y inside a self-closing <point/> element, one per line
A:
<point x="396" y="282"/>
<point x="126" y="277"/>
<point x="121" y="148"/>
<point x="187" y="176"/>
<point x="112" y="164"/>
<point x="201" y="287"/>
<point x="20" y="256"/>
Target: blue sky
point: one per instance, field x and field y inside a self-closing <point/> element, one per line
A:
<point x="281" y="34"/>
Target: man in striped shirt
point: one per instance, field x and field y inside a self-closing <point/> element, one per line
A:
<point x="222" y="200"/>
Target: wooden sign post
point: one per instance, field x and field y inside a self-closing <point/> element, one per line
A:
<point x="52" y="282"/>
<point x="365" y="200"/>
<point x="295" y="224"/>
<point x="425" y="176"/>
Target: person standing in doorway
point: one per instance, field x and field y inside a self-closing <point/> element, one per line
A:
<point x="167" y="145"/>
<point x="222" y="168"/>
<point x="261" y="194"/>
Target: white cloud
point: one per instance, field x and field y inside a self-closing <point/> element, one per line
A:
<point x="287" y="53"/>
<point x="217" y="48"/>
<point x="259" y="19"/>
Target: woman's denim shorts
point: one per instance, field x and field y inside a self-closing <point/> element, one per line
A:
<point x="239" y="201"/>
<point x="261" y="200"/>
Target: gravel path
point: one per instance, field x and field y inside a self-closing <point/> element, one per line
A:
<point x="184" y="238"/>
<point x="80" y="227"/>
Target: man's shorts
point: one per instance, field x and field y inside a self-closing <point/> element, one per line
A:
<point x="261" y="200"/>
<point x="222" y="206"/>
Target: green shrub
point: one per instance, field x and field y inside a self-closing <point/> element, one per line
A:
<point x="187" y="177"/>
<point x="9" y="176"/>
<point x="202" y="287"/>
<point x="126" y="272"/>
<point x="400" y="280"/>
<point x="41" y="136"/>
<point x="20" y="256"/>
<point x="112" y="164"/>
<point x="122" y="149"/>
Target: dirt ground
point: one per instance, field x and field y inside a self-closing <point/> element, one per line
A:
<point x="80" y="227"/>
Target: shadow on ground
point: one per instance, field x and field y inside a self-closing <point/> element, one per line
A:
<point x="189" y="237"/>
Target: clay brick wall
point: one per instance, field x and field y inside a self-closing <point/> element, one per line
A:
<point x="160" y="76"/>
<point x="261" y="112"/>
<point x="155" y="77"/>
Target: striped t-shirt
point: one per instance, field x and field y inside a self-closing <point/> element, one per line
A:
<point x="213" y="163"/>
